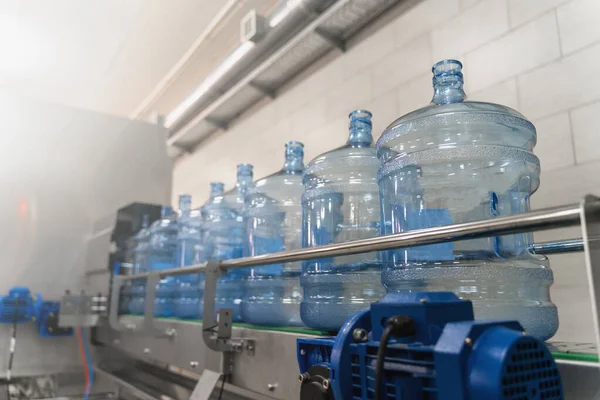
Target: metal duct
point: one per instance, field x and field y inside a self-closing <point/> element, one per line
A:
<point x="308" y="31"/>
<point x="298" y="17"/>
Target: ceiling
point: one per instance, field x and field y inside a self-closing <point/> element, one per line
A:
<point x="114" y="56"/>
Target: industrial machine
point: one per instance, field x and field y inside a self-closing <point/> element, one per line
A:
<point x="58" y="222"/>
<point x="407" y="346"/>
<point x="19" y="306"/>
<point x="426" y="346"/>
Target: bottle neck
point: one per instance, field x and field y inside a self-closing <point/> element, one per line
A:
<point x="166" y="211"/>
<point x="185" y="203"/>
<point x="360" y="129"/>
<point x="244" y="177"/>
<point x="446" y="94"/>
<point x="293" y="165"/>
<point x="294" y="158"/>
<point x="243" y="182"/>
<point x="448" y="83"/>
<point x="216" y="189"/>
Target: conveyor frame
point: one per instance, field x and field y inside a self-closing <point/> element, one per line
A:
<point x="249" y="354"/>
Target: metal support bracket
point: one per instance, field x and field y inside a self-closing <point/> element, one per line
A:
<point x="185" y="149"/>
<point x="113" y="309"/>
<point x="338" y="42"/>
<point x="148" y="327"/>
<point x="217" y="123"/>
<point x="80" y="310"/>
<point x="270" y="93"/>
<point x="217" y="335"/>
<point x="590" y="227"/>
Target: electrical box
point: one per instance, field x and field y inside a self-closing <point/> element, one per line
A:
<point x="252" y="27"/>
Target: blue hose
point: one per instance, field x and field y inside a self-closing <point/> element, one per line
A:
<point x="88" y="390"/>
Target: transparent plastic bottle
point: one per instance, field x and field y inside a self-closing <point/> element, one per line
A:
<point x="190" y="251"/>
<point x="273" y="217"/>
<point x="125" y="297"/>
<point x="341" y="203"/>
<point x="161" y="255"/>
<point x="140" y="264"/>
<point x="225" y="238"/>
<point x="456" y="161"/>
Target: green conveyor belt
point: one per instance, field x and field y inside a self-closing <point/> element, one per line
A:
<point x="559" y="355"/>
<point x="288" y="329"/>
<point x="585" y="357"/>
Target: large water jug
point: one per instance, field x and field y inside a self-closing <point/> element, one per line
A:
<point x="225" y="237"/>
<point x="273" y="217"/>
<point x="341" y="203"/>
<point x="457" y="161"/>
<point x="161" y="255"/>
<point x="125" y="297"/>
<point x="189" y="297"/>
<point x="140" y="264"/>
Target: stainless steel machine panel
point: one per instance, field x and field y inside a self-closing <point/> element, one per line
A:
<point x="62" y="169"/>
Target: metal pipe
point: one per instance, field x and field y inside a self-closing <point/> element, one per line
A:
<point x="551" y="218"/>
<point x="181" y="130"/>
<point x="564" y="246"/>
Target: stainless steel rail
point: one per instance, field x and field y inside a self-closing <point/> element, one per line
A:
<point x="550" y="218"/>
<point x="565" y="246"/>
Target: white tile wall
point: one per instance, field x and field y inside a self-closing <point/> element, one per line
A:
<point x="540" y="57"/>
<point x="579" y="24"/>
<point x="365" y="53"/>
<point x="555" y="142"/>
<point x="403" y="65"/>
<point x="567" y="83"/>
<point x="354" y="93"/>
<point x="415" y="94"/>
<point x="464" y="4"/>
<point x="586" y="132"/>
<point x="521" y="11"/>
<point x="567" y="185"/>
<point x="385" y="111"/>
<point x="504" y="93"/>
<point x="422" y="18"/>
<point x="466" y="32"/>
<point x="521" y="50"/>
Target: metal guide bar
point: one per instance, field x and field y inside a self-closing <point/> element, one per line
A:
<point x="550" y="218"/>
<point x="217" y="335"/>
<point x="564" y="246"/>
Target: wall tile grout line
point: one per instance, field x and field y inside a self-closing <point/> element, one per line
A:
<point x="508" y="32"/>
<point x="572" y="136"/>
<point x="536" y="16"/>
<point x="560" y="47"/>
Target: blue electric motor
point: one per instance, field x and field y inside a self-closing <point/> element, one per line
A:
<point x="20" y="305"/>
<point x="430" y="348"/>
